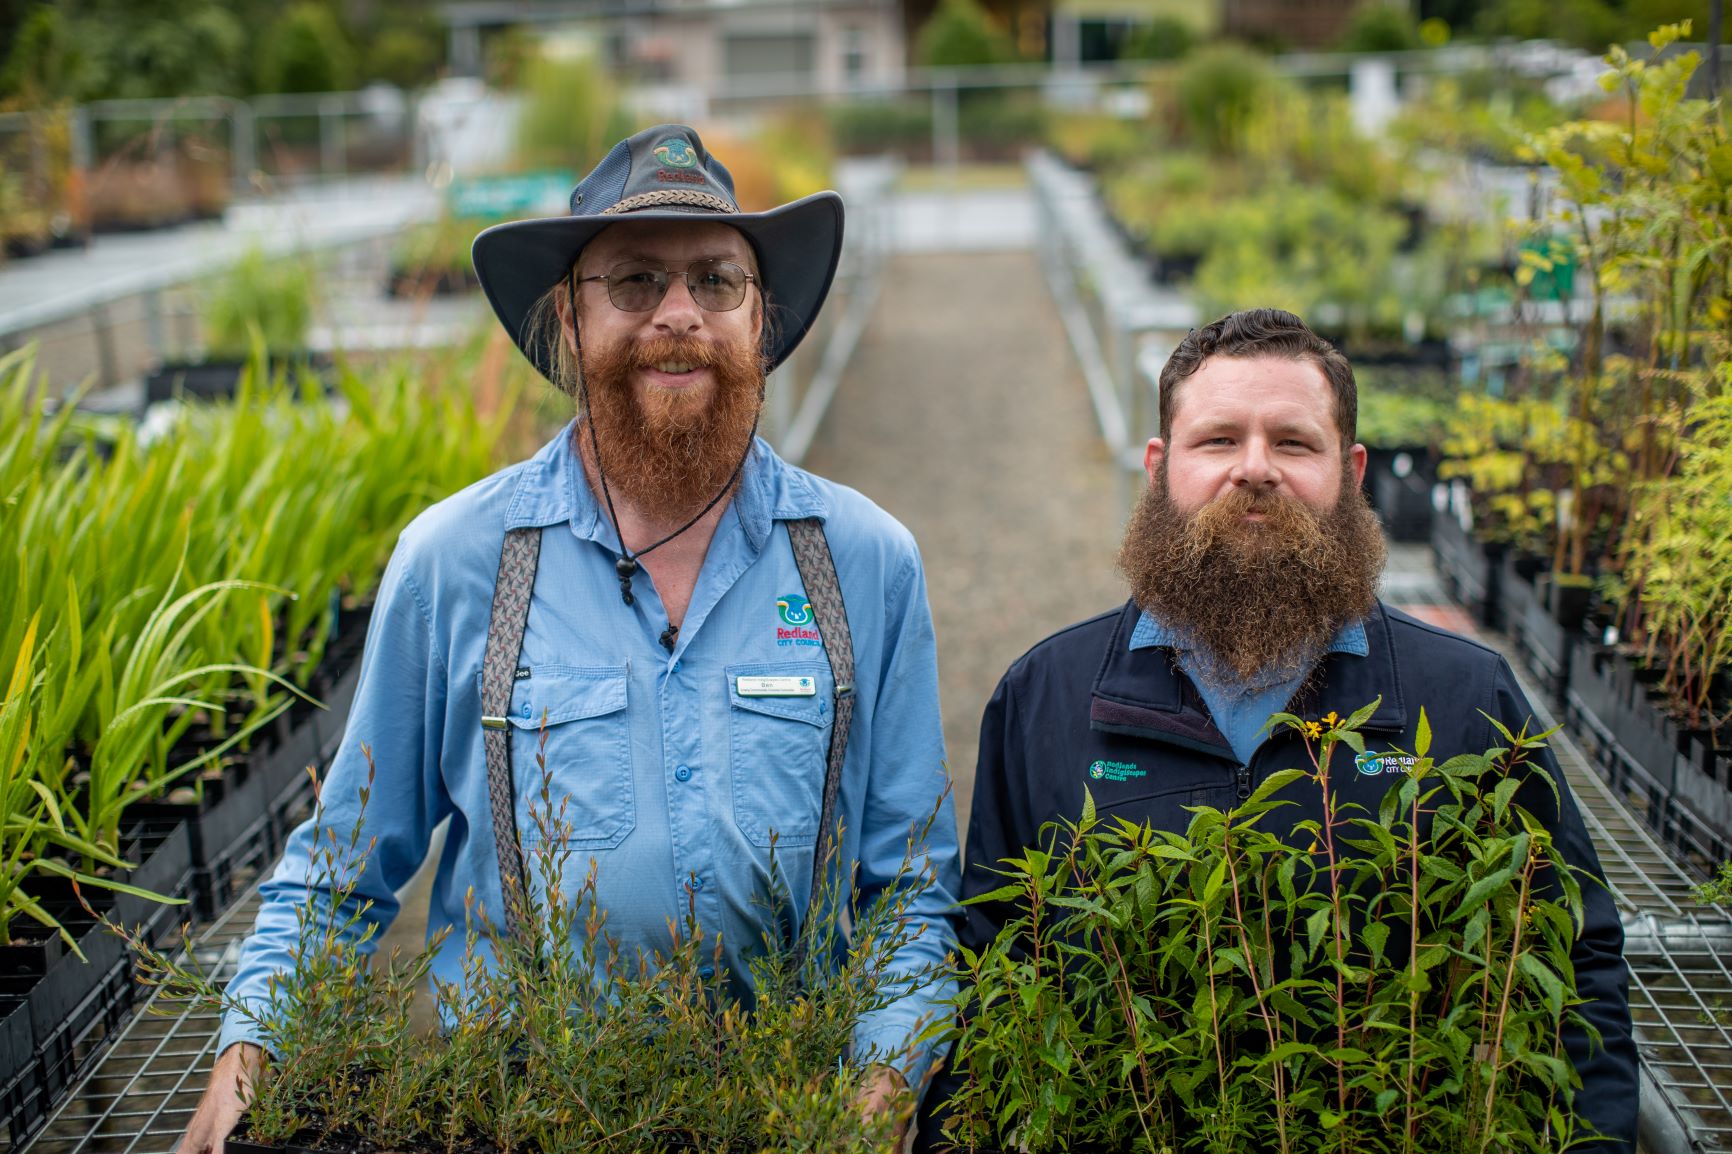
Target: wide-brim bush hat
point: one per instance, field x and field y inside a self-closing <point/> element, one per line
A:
<point x="664" y="173"/>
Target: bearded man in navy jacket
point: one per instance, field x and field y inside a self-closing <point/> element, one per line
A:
<point x="1253" y="562"/>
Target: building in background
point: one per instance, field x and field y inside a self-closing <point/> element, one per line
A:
<point x="1286" y="24"/>
<point x="694" y="51"/>
<point x="1096" y="31"/>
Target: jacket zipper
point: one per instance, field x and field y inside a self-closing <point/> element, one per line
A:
<point x="1244" y="776"/>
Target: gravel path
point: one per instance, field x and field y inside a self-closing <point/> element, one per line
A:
<point x="964" y="415"/>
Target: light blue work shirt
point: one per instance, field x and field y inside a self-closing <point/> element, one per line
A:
<point x="1240" y="711"/>
<point x="672" y="780"/>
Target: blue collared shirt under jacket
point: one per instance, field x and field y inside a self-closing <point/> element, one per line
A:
<point x="672" y="780"/>
<point x="1241" y="711"/>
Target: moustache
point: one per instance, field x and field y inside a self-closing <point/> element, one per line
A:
<point x="652" y="351"/>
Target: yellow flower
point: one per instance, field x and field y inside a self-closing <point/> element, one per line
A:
<point x="1331" y="717"/>
<point x="1313" y="730"/>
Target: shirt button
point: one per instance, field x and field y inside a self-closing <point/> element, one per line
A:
<point x="683" y="773"/>
<point x="706" y="972"/>
<point x="697" y="884"/>
<point x="676" y="667"/>
<point x="525" y="709"/>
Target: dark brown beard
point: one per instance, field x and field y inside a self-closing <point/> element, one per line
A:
<point x="672" y="452"/>
<point x="1262" y="600"/>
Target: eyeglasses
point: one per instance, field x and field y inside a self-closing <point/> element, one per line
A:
<point x="637" y="286"/>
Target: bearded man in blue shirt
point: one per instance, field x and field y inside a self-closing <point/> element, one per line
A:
<point x="725" y="653"/>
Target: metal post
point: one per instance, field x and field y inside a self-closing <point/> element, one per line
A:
<point x="330" y="138"/>
<point x="946" y="136"/>
<point x="463" y="49"/>
<point x="1125" y="369"/>
<point x="418" y="152"/>
<point x="153" y="328"/>
<point x="1716" y="31"/>
<point x="243" y="143"/>
<point x="83" y="151"/>
<point x="108" y="371"/>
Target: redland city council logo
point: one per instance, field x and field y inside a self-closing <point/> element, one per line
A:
<point x="797" y="626"/>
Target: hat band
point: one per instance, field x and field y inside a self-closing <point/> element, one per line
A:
<point x="667" y="196"/>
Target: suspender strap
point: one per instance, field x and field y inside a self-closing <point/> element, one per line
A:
<point x="505" y="628"/>
<point x="511" y="594"/>
<point x="818" y="573"/>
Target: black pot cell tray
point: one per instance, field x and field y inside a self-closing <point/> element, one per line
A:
<point x="217" y="380"/>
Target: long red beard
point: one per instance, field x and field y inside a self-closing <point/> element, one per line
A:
<point x="1261" y="599"/>
<point x="669" y="452"/>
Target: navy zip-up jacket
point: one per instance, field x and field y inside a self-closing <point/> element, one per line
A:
<point x="1083" y="709"/>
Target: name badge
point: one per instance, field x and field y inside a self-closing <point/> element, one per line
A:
<point x="775" y="686"/>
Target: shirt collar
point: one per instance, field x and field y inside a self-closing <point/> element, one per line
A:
<point x="1151" y="632"/>
<point x="552" y="488"/>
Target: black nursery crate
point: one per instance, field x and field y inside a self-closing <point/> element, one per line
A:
<point x="449" y="282"/>
<point x="163" y="851"/>
<point x="1545" y="646"/>
<point x="219" y="380"/>
<point x="1403" y="504"/>
<point x="338" y="674"/>
<point x="55" y="1023"/>
<point x="1541" y="642"/>
<point x="1471" y="569"/>
<point x="229" y="822"/>
<point x="20" y="1088"/>
<point x="239" y="827"/>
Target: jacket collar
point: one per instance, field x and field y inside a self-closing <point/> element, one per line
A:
<point x="1140" y="691"/>
<point x="552" y="489"/>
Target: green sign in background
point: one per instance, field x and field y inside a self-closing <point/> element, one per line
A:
<point x="518" y="195"/>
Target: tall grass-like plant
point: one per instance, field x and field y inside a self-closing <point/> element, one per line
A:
<point x="264" y="299"/>
<point x="1387" y="981"/>
<point x="33" y="819"/>
<point x="563" y="1039"/>
<point x="166" y="599"/>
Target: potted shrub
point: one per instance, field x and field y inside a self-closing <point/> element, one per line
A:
<point x="433" y="259"/>
<point x="1226" y="988"/>
<point x="1401" y="422"/>
<point x="1636" y="467"/>
<point x="262" y="308"/>
<point x="568" y="1040"/>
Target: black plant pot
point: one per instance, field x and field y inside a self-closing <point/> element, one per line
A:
<point x="1638" y="748"/>
<point x="670" y="1145"/>
<point x="1569" y="601"/>
<point x="1705" y="750"/>
<point x="239" y="825"/>
<point x="22" y="1107"/>
<point x="1545" y="643"/>
<point x="218" y="379"/>
<point x="420" y="282"/>
<point x="1176" y="267"/>
<point x="57" y="1013"/>
<point x="1471" y="569"/>
<point x="1403" y="504"/>
<point x="161" y="856"/>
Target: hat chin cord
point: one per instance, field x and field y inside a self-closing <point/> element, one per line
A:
<point x="626" y="564"/>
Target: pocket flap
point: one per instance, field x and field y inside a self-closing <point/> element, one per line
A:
<point x="813" y="710"/>
<point x="561" y="693"/>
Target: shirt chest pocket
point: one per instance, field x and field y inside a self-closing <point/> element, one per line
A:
<point x="777" y="749"/>
<point x="575" y="718"/>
